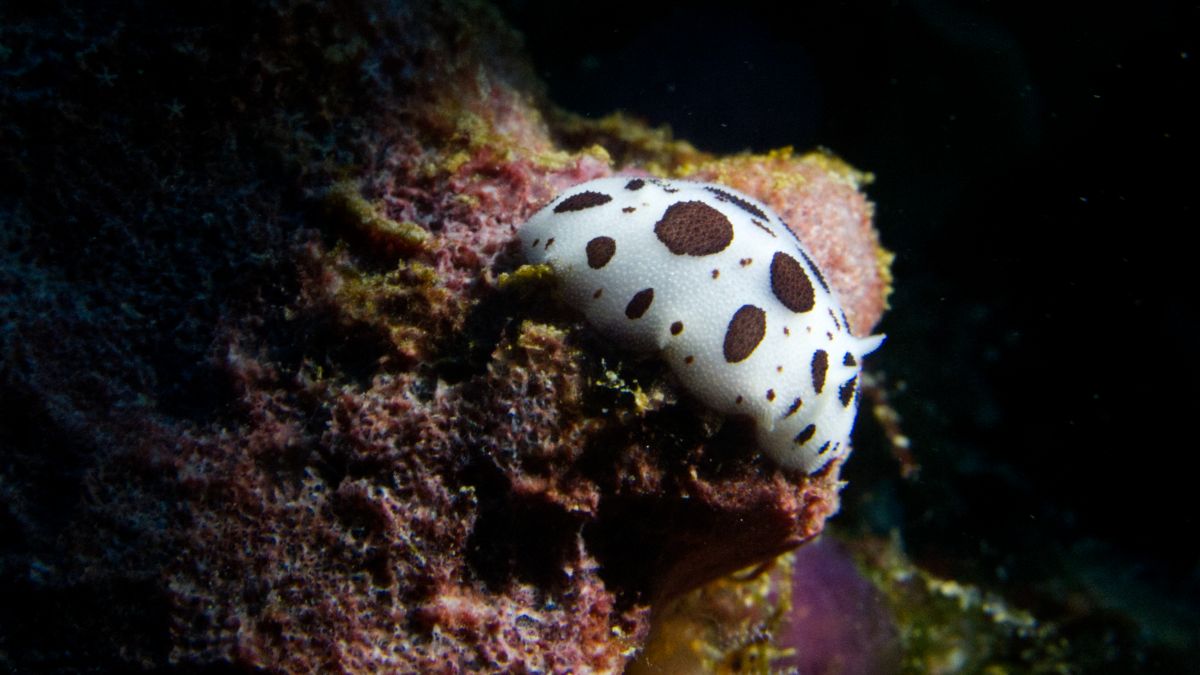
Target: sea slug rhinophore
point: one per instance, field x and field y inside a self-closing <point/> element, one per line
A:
<point x="718" y="283"/>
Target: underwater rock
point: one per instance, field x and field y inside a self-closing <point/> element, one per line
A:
<point x="266" y="404"/>
<point x="808" y="612"/>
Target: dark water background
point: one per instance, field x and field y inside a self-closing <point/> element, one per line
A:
<point x="1036" y="176"/>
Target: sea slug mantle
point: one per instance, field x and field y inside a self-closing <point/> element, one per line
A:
<point x="716" y="282"/>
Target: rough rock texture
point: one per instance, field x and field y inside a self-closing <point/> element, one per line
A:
<point x="265" y="405"/>
<point x="858" y="606"/>
<point x="810" y="611"/>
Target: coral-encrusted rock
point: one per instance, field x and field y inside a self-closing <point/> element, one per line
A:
<point x="264" y="403"/>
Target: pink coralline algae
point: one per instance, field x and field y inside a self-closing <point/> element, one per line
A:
<point x="266" y="403"/>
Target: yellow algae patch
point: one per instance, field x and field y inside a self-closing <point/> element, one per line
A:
<point x="345" y="203"/>
<point x="405" y="304"/>
<point x="948" y="626"/>
<point x="838" y="167"/>
<point x="883" y="261"/>
<point x="627" y="140"/>
<point x="643" y="401"/>
<point x="526" y="276"/>
<point x="455" y="161"/>
<point x="725" y="627"/>
<point x="553" y="160"/>
<point x="782" y="165"/>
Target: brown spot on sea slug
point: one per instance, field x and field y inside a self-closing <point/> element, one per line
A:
<point x="745" y="332"/>
<point x="639" y="303"/>
<point x="599" y="251"/>
<point x="694" y="228"/>
<point x="790" y="283"/>
<point x="581" y="201"/>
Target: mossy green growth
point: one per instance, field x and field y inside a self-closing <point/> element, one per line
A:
<point x="948" y="626"/>
<point x="726" y="627"/>
<point x="344" y="203"/>
<point x="527" y="278"/>
<point x="406" y="304"/>
<point x="644" y="400"/>
<point x="625" y="140"/>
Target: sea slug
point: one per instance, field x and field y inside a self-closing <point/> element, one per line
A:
<point x="714" y="280"/>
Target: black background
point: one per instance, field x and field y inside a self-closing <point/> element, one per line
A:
<point x="1035" y="176"/>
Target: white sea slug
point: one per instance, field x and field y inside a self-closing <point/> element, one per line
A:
<point x="715" y="281"/>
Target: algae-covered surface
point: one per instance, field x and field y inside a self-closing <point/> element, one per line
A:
<point x="279" y="395"/>
<point x="269" y="404"/>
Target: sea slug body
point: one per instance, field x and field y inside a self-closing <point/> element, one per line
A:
<point x="717" y="283"/>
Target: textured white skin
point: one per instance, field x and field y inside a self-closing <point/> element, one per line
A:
<point x="685" y="290"/>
